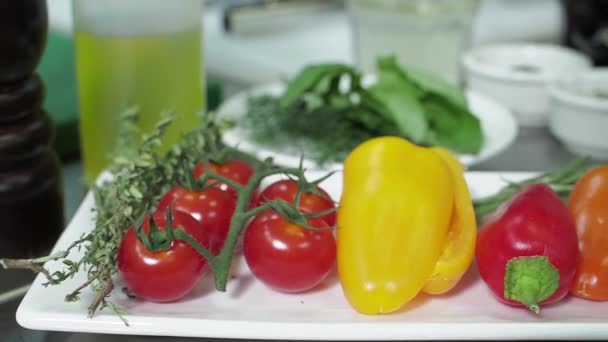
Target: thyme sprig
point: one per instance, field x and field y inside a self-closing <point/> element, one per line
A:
<point x="562" y="181"/>
<point x="140" y="175"/>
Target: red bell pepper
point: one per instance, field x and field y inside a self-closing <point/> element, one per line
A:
<point x="527" y="250"/>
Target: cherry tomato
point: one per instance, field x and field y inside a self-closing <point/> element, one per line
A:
<point x="588" y="204"/>
<point x="310" y="203"/>
<point x="236" y="170"/>
<point x="287" y="257"/>
<point x="162" y="276"/>
<point x="267" y="216"/>
<point x="212" y="208"/>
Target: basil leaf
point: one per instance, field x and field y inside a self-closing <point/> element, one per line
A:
<point x="452" y="127"/>
<point x="432" y="84"/>
<point x="396" y="98"/>
<point x="369" y="120"/>
<point x="308" y="78"/>
<point x="389" y="71"/>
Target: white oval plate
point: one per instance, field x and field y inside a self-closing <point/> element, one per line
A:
<point x="249" y="310"/>
<point x="498" y="125"/>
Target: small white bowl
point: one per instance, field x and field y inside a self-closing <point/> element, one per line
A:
<point x="579" y="116"/>
<point x="517" y="74"/>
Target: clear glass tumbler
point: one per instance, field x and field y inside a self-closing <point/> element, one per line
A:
<point x="143" y="53"/>
<point x="428" y="34"/>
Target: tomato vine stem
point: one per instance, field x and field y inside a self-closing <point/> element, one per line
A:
<point x="211" y="175"/>
<point x="220" y="264"/>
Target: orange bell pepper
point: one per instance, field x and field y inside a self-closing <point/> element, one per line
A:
<point x="588" y="204"/>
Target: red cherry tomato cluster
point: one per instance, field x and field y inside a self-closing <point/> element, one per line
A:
<point x="284" y="256"/>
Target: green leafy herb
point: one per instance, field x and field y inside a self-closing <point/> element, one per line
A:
<point x="326" y="111"/>
<point x="389" y="97"/>
<point x="451" y="126"/>
<point x="323" y="142"/>
<point x="431" y="84"/>
<point x="311" y="77"/>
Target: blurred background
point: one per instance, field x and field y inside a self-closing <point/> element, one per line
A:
<point x="504" y="49"/>
<point x="247" y="42"/>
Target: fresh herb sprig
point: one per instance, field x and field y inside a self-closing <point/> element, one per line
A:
<point x="139" y="177"/>
<point x="562" y="181"/>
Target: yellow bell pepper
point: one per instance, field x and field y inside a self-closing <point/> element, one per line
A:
<point x="459" y="249"/>
<point x="405" y="224"/>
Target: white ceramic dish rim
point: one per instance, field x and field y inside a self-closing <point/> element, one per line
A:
<point x="558" y="91"/>
<point x="474" y="65"/>
<point x="47" y="310"/>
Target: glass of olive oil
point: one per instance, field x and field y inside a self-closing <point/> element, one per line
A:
<point x="136" y="53"/>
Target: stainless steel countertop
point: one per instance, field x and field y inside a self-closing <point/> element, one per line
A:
<point x="534" y="150"/>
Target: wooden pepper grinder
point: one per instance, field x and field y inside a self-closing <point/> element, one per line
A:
<point x="31" y="195"/>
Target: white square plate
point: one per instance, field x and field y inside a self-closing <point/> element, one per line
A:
<point x="248" y="310"/>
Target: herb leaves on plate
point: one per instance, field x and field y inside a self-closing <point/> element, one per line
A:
<point x="326" y="111"/>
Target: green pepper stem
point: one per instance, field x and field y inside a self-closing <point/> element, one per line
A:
<point x="534" y="308"/>
<point x="530" y="280"/>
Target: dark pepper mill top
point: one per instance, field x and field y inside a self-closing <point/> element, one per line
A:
<point x="31" y="199"/>
<point x="23" y="33"/>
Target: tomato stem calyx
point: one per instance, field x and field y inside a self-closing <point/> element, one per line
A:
<point x="157" y="240"/>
